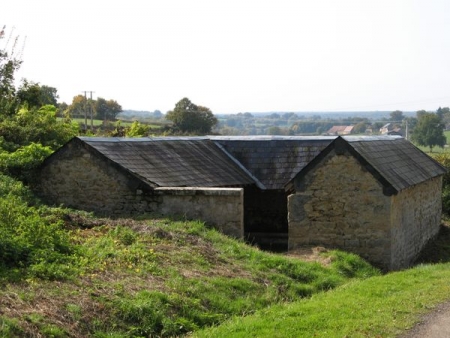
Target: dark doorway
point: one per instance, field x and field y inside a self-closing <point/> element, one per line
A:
<point x="265" y="218"/>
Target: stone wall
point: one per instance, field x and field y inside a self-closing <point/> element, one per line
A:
<point x="416" y="218"/>
<point x="339" y="204"/>
<point x="79" y="178"/>
<point x="220" y="207"/>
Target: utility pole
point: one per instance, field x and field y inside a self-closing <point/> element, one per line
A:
<point x="90" y="109"/>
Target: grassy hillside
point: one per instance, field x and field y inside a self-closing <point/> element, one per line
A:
<point x="67" y="274"/>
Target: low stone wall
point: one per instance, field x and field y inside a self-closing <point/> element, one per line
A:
<point x="221" y="207"/>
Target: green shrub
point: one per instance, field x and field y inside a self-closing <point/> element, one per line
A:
<point x="28" y="238"/>
<point x="444" y="160"/>
<point x="10" y="328"/>
<point x="21" y="162"/>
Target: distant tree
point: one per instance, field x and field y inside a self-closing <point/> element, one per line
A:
<point x="113" y="109"/>
<point x="376" y="126"/>
<point x="419" y="113"/>
<point x="49" y="95"/>
<point x="275" y="131"/>
<point x="441" y="112"/>
<point x="397" y="116"/>
<point x="320" y="130"/>
<point x="8" y="67"/>
<point x="429" y="131"/>
<point x="35" y="95"/>
<point x="101" y="108"/>
<point x="287" y="116"/>
<point x="157" y="114"/>
<point x="189" y="118"/>
<point x="106" y="109"/>
<point x="77" y="107"/>
<point x="62" y="109"/>
<point x="273" y="116"/>
<point x="360" y="128"/>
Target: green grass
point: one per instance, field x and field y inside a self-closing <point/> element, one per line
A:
<point x="123" y="123"/>
<point x="155" y="277"/>
<point x="381" y="306"/>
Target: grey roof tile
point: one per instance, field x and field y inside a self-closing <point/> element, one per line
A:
<point x="273" y="160"/>
<point x="173" y="162"/>
<point x="400" y="162"/>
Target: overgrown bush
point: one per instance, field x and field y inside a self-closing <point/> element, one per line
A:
<point x="444" y="160"/>
<point x="21" y="162"/>
<point x="29" y="239"/>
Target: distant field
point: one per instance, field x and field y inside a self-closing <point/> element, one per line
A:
<point x="123" y="123"/>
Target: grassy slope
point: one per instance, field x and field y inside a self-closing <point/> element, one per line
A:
<point x="158" y="277"/>
<point x="377" y="307"/>
<point x="153" y="277"/>
<point x="382" y="306"/>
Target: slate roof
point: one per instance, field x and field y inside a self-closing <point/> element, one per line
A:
<point x="270" y="162"/>
<point x="397" y="160"/>
<point x="172" y="162"/>
<point x="273" y="160"/>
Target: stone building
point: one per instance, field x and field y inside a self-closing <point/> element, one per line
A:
<point x="377" y="197"/>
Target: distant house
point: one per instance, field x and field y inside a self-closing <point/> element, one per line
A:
<point x="340" y="130"/>
<point x="396" y="131"/>
<point x="378" y="197"/>
<point x="391" y="129"/>
<point x="386" y="128"/>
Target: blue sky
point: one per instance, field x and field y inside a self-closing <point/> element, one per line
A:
<point x="239" y="55"/>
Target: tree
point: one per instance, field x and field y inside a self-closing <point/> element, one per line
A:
<point x="360" y="128"/>
<point x="189" y="118"/>
<point x="397" y="116"/>
<point x="442" y="111"/>
<point x="9" y="64"/>
<point x="275" y="130"/>
<point x="77" y="107"/>
<point x="429" y="131"/>
<point x="35" y="95"/>
<point x="113" y="109"/>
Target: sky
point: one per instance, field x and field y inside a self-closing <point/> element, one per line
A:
<point x="238" y="55"/>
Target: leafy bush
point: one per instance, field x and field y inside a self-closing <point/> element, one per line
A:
<point x="137" y="130"/>
<point x="28" y="238"/>
<point x="38" y="126"/>
<point x="21" y="162"/>
<point x="444" y="160"/>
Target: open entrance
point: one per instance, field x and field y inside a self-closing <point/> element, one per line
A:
<point x="265" y="218"/>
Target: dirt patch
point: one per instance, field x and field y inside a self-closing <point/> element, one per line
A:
<point x="311" y="254"/>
